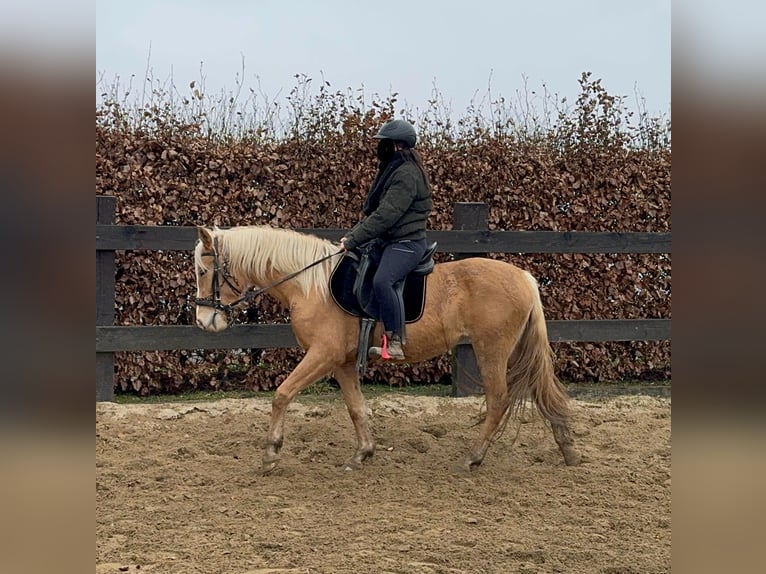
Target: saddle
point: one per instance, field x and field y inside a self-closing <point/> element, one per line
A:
<point x="351" y="289"/>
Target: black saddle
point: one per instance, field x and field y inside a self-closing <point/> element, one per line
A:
<point x="351" y="283"/>
<point x="351" y="288"/>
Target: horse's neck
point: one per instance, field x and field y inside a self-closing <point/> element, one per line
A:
<point x="287" y="293"/>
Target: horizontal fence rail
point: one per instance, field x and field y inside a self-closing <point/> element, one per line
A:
<point x="470" y="237"/>
<point x="153" y="238"/>
<point x="176" y="337"/>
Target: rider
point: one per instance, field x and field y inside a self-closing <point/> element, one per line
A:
<point x="396" y="211"/>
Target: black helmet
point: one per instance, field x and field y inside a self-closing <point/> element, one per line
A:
<point x="398" y="130"/>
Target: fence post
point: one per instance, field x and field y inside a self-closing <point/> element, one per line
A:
<point x="466" y="379"/>
<point x="105" y="279"/>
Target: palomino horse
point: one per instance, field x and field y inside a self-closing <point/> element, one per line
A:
<point x="495" y="304"/>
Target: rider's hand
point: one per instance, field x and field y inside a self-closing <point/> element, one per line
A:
<point x="343" y="245"/>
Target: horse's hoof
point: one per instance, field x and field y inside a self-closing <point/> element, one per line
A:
<point x="464" y="467"/>
<point x="269" y="466"/>
<point x="571" y="457"/>
<point x="351" y="466"/>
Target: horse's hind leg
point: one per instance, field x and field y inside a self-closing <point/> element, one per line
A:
<point x="492" y="370"/>
<point x="312" y="367"/>
<point x="348" y="378"/>
<point x="563" y="437"/>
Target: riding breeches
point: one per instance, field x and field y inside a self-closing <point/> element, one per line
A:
<point x="398" y="259"/>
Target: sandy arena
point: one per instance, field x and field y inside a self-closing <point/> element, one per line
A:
<point x="179" y="490"/>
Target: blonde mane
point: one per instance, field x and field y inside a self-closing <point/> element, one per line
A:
<point x="258" y="250"/>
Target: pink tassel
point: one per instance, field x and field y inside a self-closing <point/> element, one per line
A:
<point x="384" y="348"/>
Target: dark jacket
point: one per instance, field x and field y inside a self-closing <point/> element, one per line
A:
<point x="401" y="213"/>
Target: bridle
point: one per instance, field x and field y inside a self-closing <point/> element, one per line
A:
<point x="223" y="272"/>
<point x="246" y="297"/>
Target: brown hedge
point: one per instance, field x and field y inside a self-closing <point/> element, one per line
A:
<point x="588" y="171"/>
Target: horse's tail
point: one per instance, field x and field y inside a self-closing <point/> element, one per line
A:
<point x="530" y="368"/>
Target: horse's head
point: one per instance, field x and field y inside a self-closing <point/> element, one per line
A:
<point x="217" y="290"/>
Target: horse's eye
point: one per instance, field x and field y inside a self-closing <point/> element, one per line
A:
<point x="201" y="272"/>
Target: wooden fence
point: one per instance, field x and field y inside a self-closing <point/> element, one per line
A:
<point x="470" y="237"/>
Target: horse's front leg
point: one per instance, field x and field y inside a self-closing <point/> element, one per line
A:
<point x="311" y="368"/>
<point x="348" y="378"/>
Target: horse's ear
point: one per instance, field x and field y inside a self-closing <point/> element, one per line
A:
<point x="205" y="237"/>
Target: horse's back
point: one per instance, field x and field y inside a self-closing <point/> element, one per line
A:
<point x="481" y="275"/>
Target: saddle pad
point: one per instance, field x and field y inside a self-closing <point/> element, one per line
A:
<point x="342" y="290"/>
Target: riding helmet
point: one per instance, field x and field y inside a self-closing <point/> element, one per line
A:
<point x="399" y="130"/>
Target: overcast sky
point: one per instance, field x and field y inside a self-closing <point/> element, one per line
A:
<point x="460" y="48"/>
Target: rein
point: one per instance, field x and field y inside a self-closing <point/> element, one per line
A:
<point x="246" y="297"/>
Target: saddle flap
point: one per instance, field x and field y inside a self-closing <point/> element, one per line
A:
<point x="367" y="264"/>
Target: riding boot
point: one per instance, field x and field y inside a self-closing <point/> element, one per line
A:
<point x="390" y="349"/>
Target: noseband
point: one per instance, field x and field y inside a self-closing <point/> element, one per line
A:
<point x="223" y="270"/>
